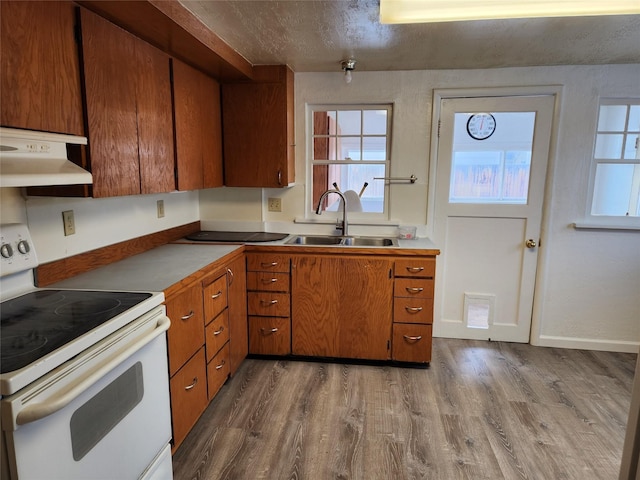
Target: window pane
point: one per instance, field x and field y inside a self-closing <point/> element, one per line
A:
<point x="375" y="122"/>
<point x="612" y="190"/>
<point x="374" y="148"/>
<point x="634" y="119"/>
<point x="352" y="177"/>
<point x="349" y="148"/>
<point x="608" y="146"/>
<point x="631" y="150"/>
<point x="612" y="118"/>
<point x="349" y="122"/>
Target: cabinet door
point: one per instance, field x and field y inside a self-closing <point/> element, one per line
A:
<point x="341" y="306"/>
<point x="40" y="87"/>
<point x="198" y="128"/>
<point x="238" y="328"/>
<point x="259" y="129"/>
<point x="110" y="89"/>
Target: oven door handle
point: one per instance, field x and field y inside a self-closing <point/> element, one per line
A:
<point x="37" y="411"/>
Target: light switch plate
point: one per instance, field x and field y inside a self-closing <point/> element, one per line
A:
<point x="160" y="206"/>
<point x="69" y="223"/>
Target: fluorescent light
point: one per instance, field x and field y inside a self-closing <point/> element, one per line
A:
<point x="424" y="11"/>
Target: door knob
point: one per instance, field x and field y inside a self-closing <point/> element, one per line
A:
<point x="531" y="243"/>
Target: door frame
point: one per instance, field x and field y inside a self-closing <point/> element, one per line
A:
<point x="543" y="254"/>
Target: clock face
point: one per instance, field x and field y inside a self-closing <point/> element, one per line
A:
<point x="481" y="126"/>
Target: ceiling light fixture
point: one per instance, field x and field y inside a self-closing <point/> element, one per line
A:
<point x="348" y="66"/>
<point x="425" y="11"/>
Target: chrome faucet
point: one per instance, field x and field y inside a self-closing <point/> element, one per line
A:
<point x="344" y="227"/>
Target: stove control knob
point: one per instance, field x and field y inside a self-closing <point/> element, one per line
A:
<point x="6" y="251"/>
<point x="23" y="247"/>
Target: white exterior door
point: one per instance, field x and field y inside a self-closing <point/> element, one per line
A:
<point x="490" y="179"/>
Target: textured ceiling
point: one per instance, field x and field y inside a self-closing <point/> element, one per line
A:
<point x="314" y="36"/>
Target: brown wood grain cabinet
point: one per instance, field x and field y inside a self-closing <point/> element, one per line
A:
<point x="258" y="126"/>
<point x="268" y="303"/>
<point x="341" y="306"/>
<point x="414" y="280"/>
<point x="186" y="334"/>
<point x="237" y="299"/>
<point x="129" y="113"/>
<point x="40" y="87"/>
<point x="198" y="128"/>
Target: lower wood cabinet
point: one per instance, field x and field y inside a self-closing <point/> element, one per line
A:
<point x="189" y="396"/>
<point x="411" y="343"/>
<point x="218" y="371"/>
<point x="269" y="335"/>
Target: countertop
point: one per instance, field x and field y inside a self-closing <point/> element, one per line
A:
<point x="154" y="270"/>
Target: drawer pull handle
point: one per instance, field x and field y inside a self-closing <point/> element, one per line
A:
<point x="413" y="309"/>
<point x="188" y="316"/>
<point x="195" y="382"/>
<point x="415" y="289"/>
<point x="218" y="367"/>
<point x="213" y="297"/>
<point x="412" y="339"/>
<point x="269" y="280"/>
<point x="268" y="264"/>
<point x="218" y="332"/>
<point x="268" y="331"/>
<point x="415" y="269"/>
<point x="266" y="303"/>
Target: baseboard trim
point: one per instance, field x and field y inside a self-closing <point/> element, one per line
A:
<point x="586" y="344"/>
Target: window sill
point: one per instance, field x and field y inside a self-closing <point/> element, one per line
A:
<point x="592" y="225"/>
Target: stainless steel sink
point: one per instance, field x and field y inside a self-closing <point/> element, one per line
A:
<point x="343" y="241"/>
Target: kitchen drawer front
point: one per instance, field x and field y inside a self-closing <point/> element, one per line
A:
<point x="186" y="334"/>
<point x="413" y="287"/>
<point x="218" y="371"/>
<point x="217" y="334"/>
<point x="411" y="343"/>
<point x="268" y="281"/>
<point x="215" y="298"/>
<point x="188" y="396"/>
<point x="416" y="267"/>
<point x="268" y="304"/>
<point x="413" y="310"/>
<point x="267" y="262"/>
<point x="269" y="335"/>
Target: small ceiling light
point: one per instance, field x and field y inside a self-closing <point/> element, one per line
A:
<point x="424" y="11"/>
<point x="348" y="66"/>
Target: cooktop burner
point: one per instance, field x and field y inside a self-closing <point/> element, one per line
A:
<point x="39" y="322"/>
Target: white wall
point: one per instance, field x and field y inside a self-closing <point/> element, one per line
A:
<point x="588" y="293"/>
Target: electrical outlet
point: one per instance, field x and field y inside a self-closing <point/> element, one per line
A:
<point x="275" y="204"/>
<point x="160" y="205"/>
<point x="68" y="223"/>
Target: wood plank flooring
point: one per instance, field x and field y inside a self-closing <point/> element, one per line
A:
<point x="484" y="410"/>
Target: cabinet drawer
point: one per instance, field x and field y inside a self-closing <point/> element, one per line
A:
<point x="269" y="335"/>
<point x="268" y="281"/>
<point x="416" y="267"/>
<point x="411" y="343"/>
<point x="215" y="298"/>
<point x="218" y="371"/>
<point x="188" y="396"/>
<point x="268" y="263"/>
<point x="413" y="287"/>
<point x="268" y="304"/>
<point x="186" y="334"/>
<point x="217" y="334"/>
<point x="413" y="310"/>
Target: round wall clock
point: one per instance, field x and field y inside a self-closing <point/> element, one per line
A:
<point x="481" y="126"/>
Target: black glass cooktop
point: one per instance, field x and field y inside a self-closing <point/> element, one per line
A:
<point x="39" y="322"/>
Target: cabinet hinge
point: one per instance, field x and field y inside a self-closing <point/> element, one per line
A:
<point x="391" y="273"/>
<point x="439" y="125"/>
<point x="388" y="344"/>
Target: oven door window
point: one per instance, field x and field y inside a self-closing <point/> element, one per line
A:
<point x="97" y="417"/>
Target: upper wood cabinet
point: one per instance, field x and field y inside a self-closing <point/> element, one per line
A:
<point x="258" y="129"/>
<point x="198" y="128"/>
<point x="129" y="113"/>
<point x="40" y="87"/>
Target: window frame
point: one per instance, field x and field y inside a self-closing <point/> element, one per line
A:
<point x="608" y="221"/>
<point x="310" y="208"/>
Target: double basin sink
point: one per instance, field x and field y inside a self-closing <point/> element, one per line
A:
<point x="343" y="241"/>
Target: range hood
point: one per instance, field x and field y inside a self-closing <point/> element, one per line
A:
<point x="30" y="159"/>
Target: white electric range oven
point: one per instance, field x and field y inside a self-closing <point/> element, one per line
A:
<point x="83" y="377"/>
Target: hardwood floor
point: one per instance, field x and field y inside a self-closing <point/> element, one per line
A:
<point x="484" y="410"/>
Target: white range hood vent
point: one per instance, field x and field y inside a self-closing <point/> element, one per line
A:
<point x="30" y="159"/>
